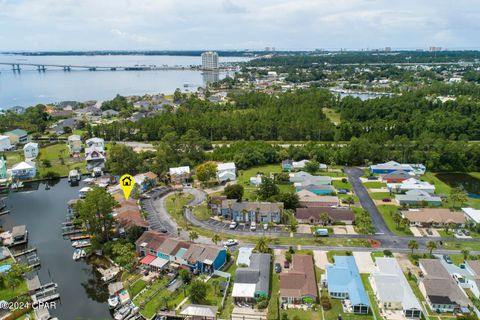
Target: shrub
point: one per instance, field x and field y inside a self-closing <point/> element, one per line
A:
<point x="262" y="304"/>
<point x="325" y="303"/>
<point x="51" y="175"/>
<point x="387" y="253"/>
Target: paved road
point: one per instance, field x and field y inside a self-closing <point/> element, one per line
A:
<point x="366" y="201"/>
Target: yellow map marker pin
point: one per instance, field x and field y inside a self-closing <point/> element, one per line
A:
<point x="127" y="182"/>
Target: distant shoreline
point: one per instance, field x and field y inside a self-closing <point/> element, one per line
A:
<point x="189" y="53"/>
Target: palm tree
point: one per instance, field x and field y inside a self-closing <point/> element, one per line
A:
<point x="466" y="254"/>
<point x="412" y="245"/>
<point x="431" y="245"/>
<point x="193" y="235"/>
<point x="397" y="218"/>
<point x="262" y="245"/>
<point x="216" y="238"/>
<point x="244" y="212"/>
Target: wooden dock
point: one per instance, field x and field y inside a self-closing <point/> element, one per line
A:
<point x="45" y="293"/>
<point x="72" y="232"/>
<point x="83" y="237"/>
<point x="24" y="252"/>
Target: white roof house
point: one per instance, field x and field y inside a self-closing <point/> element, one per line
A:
<point x="96" y="142"/>
<point x="5" y="143"/>
<point x="472" y="214"/>
<point x="411" y="184"/>
<point x="30" y="150"/>
<point x="178" y="171"/>
<point x="392" y="290"/>
<point x="300" y="164"/>
<point x="256" y="181"/>
<point x="226" y="172"/>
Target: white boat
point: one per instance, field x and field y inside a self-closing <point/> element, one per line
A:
<point x="83" y="253"/>
<point x="113" y="301"/>
<point x="76" y="254"/>
<point x="81" y="244"/>
<point x="74" y="176"/>
<point x="122" y="312"/>
<point x="75" y="243"/>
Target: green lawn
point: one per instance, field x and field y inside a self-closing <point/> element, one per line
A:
<point x="229" y="305"/>
<point x="332" y="115"/>
<point x="8" y="294"/>
<point x="244" y="176"/>
<point x="380" y="195"/>
<point x="136" y="287"/>
<point x="386" y="212"/>
<point x="337" y="309"/>
<point x="374" y="185"/>
<point x="202" y="212"/>
<point x="174" y="204"/>
<point x="301" y="314"/>
<point x="377" y="254"/>
<point x="332" y="253"/>
<point x="371" y="295"/>
<point x="60" y="160"/>
<point x="13" y="157"/>
<point x="273" y="306"/>
<point x="338" y="184"/>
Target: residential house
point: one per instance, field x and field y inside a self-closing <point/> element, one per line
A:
<point x="149" y="242"/>
<point x="314" y="187"/>
<point x="433" y="217"/>
<point x="418" y="197"/>
<point x="302" y="177"/>
<point x="344" y="282"/>
<point x="472" y="214"/>
<point x="392" y="290"/>
<point x="309" y="199"/>
<point x="298" y="285"/>
<point x="179" y="175"/>
<point x="17" y="136"/>
<point x="438" y="287"/>
<point x="199" y="312"/>
<point x="110" y="113"/>
<point x="74" y="144"/>
<point x="253" y="282"/>
<point x="5" y="144"/>
<point x="30" y="150"/>
<point x="312" y="215"/>
<point x="95" y="158"/>
<point x="17" y="109"/>
<point x="23" y="171"/>
<point x="226" y="172"/>
<point x="245" y="211"/>
<point x="300" y="164"/>
<point x="70" y="123"/>
<point x="393" y="166"/>
<point x="411" y="184"/>
<point x="243" y="258"/>
<point x="145" y="181"/>
<point x="287" y="165"/>
<point x="473" y="281"/>
<point x="397" y="176"/>
<point x="97" y="143"/>
<point x="201" y="258"/>
<point x="215" y="204"/>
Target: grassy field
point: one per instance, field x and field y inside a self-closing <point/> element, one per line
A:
<point x="13" y="157"/>
<point x="174" y="204"/>
<point x="374" y="185"/>
<point x="332" y="115"/>
<point x="274" y="291"/>
<point x="60" y="160"/>
<point x="338" y="184"/>
<point x="202" y="212"/>
<point x="136" y="287"/>
<point x="381" y="195"/>
<point x="8" y="294"/>
<point x="228" y="305"/>
<point x="332" y="253"/>
<point x="386" y="212"/>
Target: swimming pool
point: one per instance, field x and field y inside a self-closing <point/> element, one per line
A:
<point x="5" y="268"/>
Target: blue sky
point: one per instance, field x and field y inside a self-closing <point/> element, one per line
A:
<point x="237" y="24"/>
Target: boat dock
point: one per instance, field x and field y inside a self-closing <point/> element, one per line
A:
<point x="72" y="231"/>
<point x="4" y="212"/>
<point x="16" y="237"/>
<point x="45" y="293"/>
<point x="23" y="252"/>
<point x="84" y="237"/>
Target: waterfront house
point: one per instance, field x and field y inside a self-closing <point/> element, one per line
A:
<point x="287" y="165"/>
<point x="433" y="217"/>
<point x="97" y="143"/>
<point x="5" y="144"/>
<point x="392" y="290"/>
<point x="392" y="166"/>
<point x="30" y="150"/>
<point x="439" y="289"/>
<point x="344" y="282"/>
<point x="179" y="175"/>
<point x="95" y="158"/>
<point x="298" y="285"/>
<point x="253" y="282"/>
<point x="309" y="199"/>
<point x="246" y="211"/>
<point x="472" y="281"/>
<point x="417" y="198"/>
<point x="199" y="312"/>
<point x="17" y="136"/>
<point x="149" y="242"/>
<point x="472" y="214"/>
<point x="411" y="184"/>
<point x="23" y="171"/>
<point x="74" y="143"/>
<point x="397" y="176"/>
<point x="226" y="172"/>
<point x="313" y="215"/>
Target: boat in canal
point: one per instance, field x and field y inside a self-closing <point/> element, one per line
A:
<point x="78" y="254"/>
<point x="74" y="176"/>
<point x="122" y="312"/>
<point x="113" y="301"/>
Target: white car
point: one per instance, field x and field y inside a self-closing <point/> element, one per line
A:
<point x="230" y="242"/>
<point x="253" y="226"/>
<point x="233" y="225"/>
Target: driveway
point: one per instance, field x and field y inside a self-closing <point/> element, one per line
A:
<point x="367" y="203"/>
<point x="364" y="262"/>
<point x="320" y="258"/>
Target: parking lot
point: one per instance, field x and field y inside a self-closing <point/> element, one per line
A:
<point x="242" y="228"/>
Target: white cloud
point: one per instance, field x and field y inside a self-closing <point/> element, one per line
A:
<point x="231" y="24"/>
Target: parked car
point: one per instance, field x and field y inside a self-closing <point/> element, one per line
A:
<point x="387" y="200"/>
<point x="233" y="225"/>
<point x="286" y="264"/>
<point x="466" y="232"/>
<point x="230" y="242"/>
<point x="253" y="226"/>
<point x="429" y="232"/>
<point x="343" y="191"/>
<point x="172" y="282"/>
<point x="278" y="267"/>
<point x="447" y="259"/>
<point x="265" y="226"/>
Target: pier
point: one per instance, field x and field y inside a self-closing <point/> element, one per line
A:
<point x="24" y="252"/>
<point x="45" y="293"/>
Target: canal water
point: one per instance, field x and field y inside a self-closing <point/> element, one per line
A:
<point x="470" y="184"/>
<point x="83" y="296"/>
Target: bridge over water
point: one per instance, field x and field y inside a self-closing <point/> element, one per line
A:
<point x="17" y="66"/>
